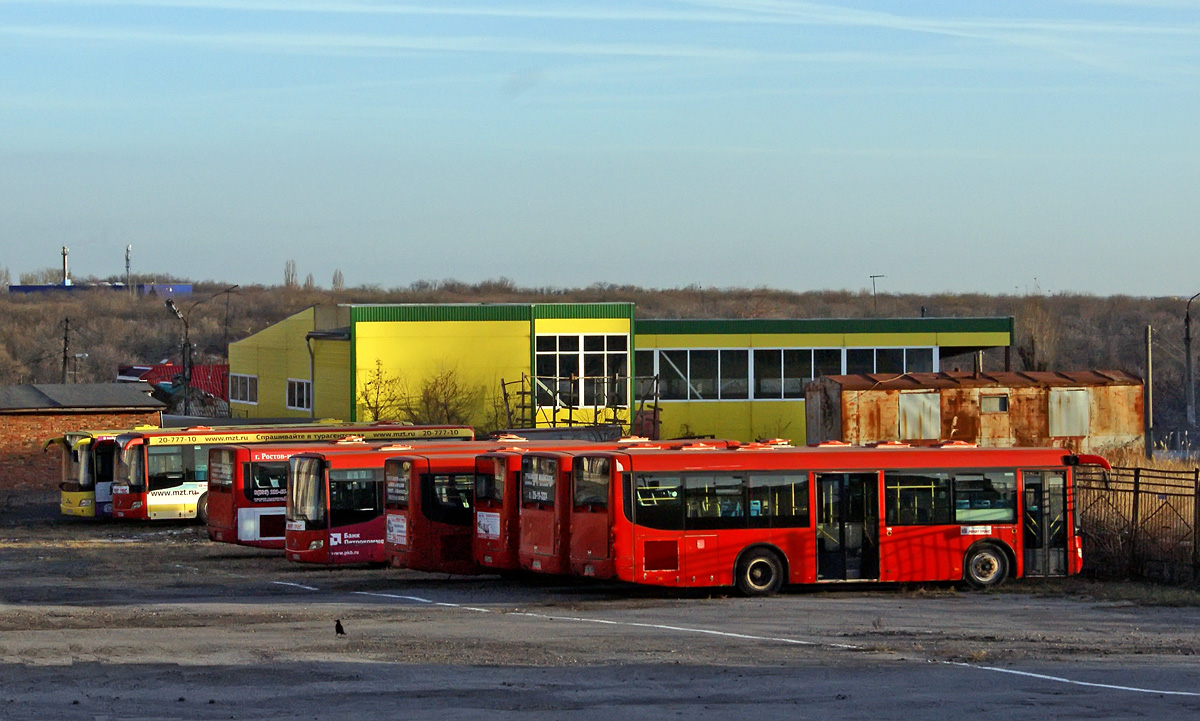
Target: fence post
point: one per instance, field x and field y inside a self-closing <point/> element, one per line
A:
<point x="1133" y="521"/>
<point x="1196" y="526"/>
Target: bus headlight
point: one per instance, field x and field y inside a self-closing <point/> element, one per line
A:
<point x="137" y="505"/>
<point x="85" y="502"/>
<point x="319" y="543"/>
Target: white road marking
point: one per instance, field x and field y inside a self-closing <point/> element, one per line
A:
<point x="1060" y="679"/>
<point x="297" y="585"/>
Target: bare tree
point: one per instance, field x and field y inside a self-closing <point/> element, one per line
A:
<point x="380" y="396"/>
<point x="289" y="275"/>
<point x="339" y="283"/>
<point x="1038" y="335"/>
<point x="443" y="398"/>
<point x="309" y="283"/>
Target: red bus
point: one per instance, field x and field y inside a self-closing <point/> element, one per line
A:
<point x="335" y="500"/>
<point x="334" y="510"/>
<point x="544" y="524"/>
<point x="758" y="518"/>
<point x="430" y="502"/>
<point x="163" y="473"/>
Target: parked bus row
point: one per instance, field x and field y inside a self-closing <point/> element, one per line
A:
<point x="754" y="516"/>
<point x="162" y="473"/>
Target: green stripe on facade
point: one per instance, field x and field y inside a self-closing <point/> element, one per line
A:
<point x="582" y="311"/>
<point x="430" y="313"/>
<point x="488" y="312"/>
<point x="825" y="325"/>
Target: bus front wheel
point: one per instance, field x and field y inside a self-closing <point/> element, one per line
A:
<point x="986" y="567"/>
<point x="759" y="573"/>
<point x="202" y="509"/>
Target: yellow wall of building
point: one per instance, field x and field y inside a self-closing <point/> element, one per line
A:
<point x="739" y="420"/>
<point x="332" y="397"/>
<point x="479" y="352"/>
<point x="274" y="355"/>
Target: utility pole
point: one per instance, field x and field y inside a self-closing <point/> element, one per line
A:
<point x="128" y="284"/>
<point x="66" y="345"/>
<point x="873" y="295"/>
<point x="1187" y="357"/>
<point x="1149" y="400"/>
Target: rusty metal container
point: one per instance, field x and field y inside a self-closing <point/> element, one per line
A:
<point x="1084" y="411"/>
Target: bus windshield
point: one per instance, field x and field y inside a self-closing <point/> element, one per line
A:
<point x="129" y="471"/>
<point x="78" y="467"/>
<point x="306" y="491"/>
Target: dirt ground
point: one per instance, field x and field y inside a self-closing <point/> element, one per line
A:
<point x="142" y="620"/>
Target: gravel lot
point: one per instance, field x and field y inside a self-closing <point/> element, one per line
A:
<point x="118" y="620"/>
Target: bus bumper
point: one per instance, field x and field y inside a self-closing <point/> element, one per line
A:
<point x="81" y="504"/>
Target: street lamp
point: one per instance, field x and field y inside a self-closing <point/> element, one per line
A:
<point x="75" y="367"/>
<point x="187" y="342"/>
<point x="873" y="295"/>
<point x="1187" y="352"/>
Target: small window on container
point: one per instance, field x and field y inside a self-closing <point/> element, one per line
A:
<point x="993" y="404"/>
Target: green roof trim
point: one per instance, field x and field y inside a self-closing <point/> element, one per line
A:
<point x="825" y="325"/>
<point x="431" y="313"/>
<point x="384" y="313"/>
<point x="583" y="310"/>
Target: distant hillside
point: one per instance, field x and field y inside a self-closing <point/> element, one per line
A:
<point x="1054" y="332"/>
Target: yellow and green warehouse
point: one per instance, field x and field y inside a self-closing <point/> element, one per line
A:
<point x="554" y="364"/>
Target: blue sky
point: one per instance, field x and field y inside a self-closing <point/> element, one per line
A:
<point x="962" y="147"/>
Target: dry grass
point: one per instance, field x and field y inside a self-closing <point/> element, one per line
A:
<point x="1132" y="592"/>
<point x="1129" y="457"/>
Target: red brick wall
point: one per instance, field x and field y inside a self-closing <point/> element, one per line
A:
<point x="25" y="466"/>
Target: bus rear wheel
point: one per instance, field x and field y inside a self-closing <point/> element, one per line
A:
<point x="759" y="573"/>
<point x="202" y="509"/>
<point x="986" y="567"/>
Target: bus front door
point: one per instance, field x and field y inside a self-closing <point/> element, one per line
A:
<point x="847" y="526"/>
<point x="1045" y="524"/>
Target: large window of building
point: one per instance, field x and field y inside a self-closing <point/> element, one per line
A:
<point x="582" y="370"/>
<point x="242" y="388"/>
<point x="764" y="373"/>
<point x="299" y="394"/>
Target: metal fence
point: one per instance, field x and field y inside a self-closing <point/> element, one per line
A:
<point x="1139" y="522"/>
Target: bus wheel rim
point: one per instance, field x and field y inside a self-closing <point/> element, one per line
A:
<point x="760" y="573"/>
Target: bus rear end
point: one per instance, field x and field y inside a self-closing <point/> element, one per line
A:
<point x="430" y="515"/>
<point x="497" y="505"/>
<point x="247" y="495"/>
<point x="591" y="526"/>
<point x="545" y="512"/>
